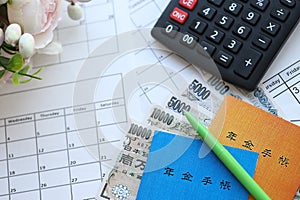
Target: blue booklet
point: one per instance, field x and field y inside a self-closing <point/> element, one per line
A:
<point x="184" y="168"/>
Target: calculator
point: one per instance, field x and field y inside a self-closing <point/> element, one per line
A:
<point x="242" y="37"/>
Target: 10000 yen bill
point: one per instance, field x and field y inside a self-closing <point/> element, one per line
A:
<point x="124" y="179"/>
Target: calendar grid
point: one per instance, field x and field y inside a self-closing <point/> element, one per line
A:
<point x="284" y="86"/>
<point x="35" y="121"/>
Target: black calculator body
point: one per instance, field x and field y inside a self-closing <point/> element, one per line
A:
<point x="242" y="37"/>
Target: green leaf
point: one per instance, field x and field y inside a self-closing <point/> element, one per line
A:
<point x="9" y="1"/>
<point x="16" y="79"/>
<point x="2" y="72"/>
<point x="38" y="71"/>
<point x="16" y="62"/>
<point x="4" y="61"/>
<point x="25" y="81"/>
<point x="25" y="69"/>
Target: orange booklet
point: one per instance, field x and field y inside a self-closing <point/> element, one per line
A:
<point x="239" y="124"/>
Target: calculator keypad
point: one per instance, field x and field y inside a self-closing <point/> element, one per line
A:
<point x="241" y="36"/>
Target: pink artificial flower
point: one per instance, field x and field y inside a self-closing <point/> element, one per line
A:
<point x="37" y="17"/>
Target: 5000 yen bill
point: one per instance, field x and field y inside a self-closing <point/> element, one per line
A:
<point x="180" y="104"/>
<point x="207" y="86"/>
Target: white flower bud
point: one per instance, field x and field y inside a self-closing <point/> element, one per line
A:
<point x="74" y="11"/>
<point x="1" y="36"/>
<point x="12" y="34"/>
<point x="3" y="2"/>
<point x="26" y="45"/>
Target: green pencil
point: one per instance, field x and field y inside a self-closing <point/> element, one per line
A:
<point x="229" y="161"/>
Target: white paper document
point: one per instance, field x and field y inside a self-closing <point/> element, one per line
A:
<point x="59" y="137"/>
<point x="282" y="81"/>
<point x="58" y="141"/>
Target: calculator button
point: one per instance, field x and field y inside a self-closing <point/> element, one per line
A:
<point x="233" y="7"/>
<point x="223" y="59"/>
<point x="251" y="17"/>
<point x="198" y="26"/>
<point x="170" y="29"/>
<point x="288" y="3"/>
<point x="210" y="49"/>
<point x="242" y="31"/>
<point x="189" y="4"/>
<point x="262" y="41"/>
<point x="179" y="15"/>
<point x="207" y="12"/>
<point x="216" y="2"/>
<point x="189" y="40"/>
<point x="247" y="63"/>
<point x="260" y="4"/>
<point x="232" y="44"/>
<point x="215" y="35"/>
<point x="224" y="21"/>
<point x="271" y="27"/>
<point x="280" y="13"/>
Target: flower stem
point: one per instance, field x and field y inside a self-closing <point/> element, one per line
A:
<point x="23" y="74"/>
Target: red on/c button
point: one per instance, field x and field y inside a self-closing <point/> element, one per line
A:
<point x="179" y="15"/>
<point x="189" y="4"/>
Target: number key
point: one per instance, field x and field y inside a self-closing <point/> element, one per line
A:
<point x="198" y="26"/>
<point x="215" y="35"/>
<point x="233" y="7"/>
<point x="189" y="40"/>
<point x="207" y="12"/>
<point x="251" y="17"/>
<point x="224" y="21"/>
<point x="170" y="29"/>
<point x="232" y="44"/>
<point x="242" y="31"/>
